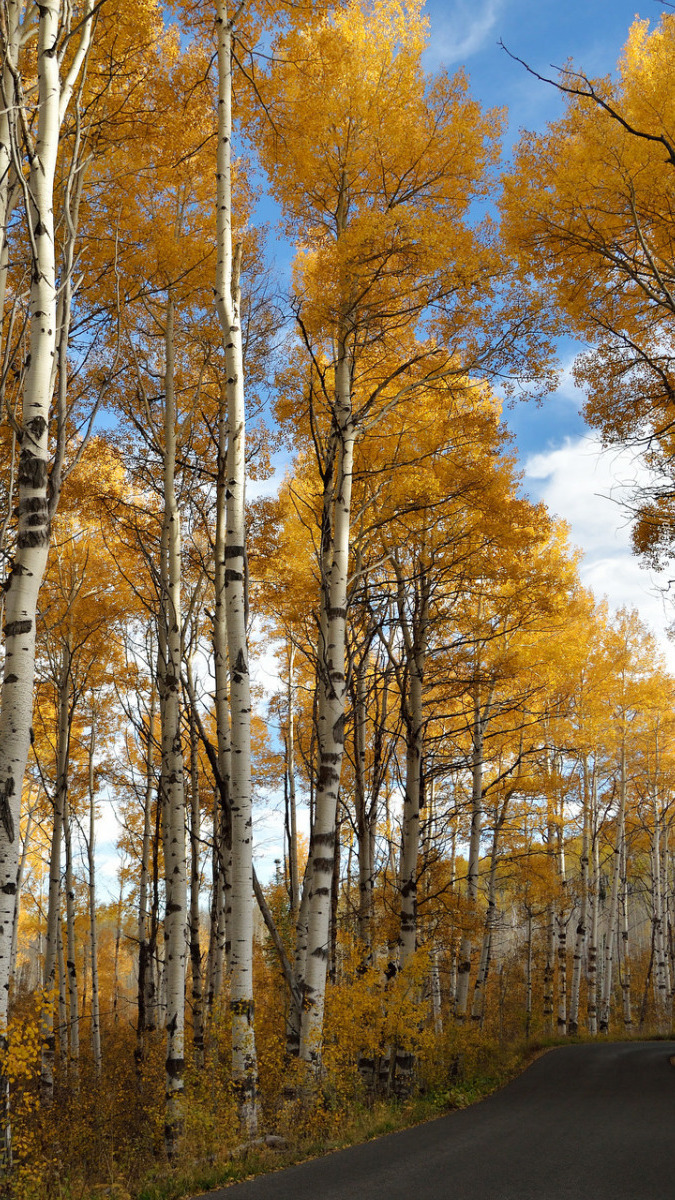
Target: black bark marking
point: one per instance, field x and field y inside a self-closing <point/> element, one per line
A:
<point x="5" y="809"/>
<point x="16" y="628"/>
<point x="31" y="538"/>
<point x="36" y="427"/>
<point x="32" y="471"/>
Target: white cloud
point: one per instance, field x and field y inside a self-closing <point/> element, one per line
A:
<point x="464" y="31"/>
<point x="588" y="486"/>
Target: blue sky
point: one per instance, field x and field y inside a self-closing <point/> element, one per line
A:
<point x="562" y="460"/>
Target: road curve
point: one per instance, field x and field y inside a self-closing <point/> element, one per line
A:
<point x="592" y="1122"/>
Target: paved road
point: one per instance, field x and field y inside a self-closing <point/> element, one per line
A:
<point x="582" y="1123"/>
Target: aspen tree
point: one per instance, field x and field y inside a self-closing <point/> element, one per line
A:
<point x="588" y="206"/>
<point x="347" y="202"/>
<point x="36" y="502"/>
<point x="228" y="303"/>
<point x="93" y="924"/>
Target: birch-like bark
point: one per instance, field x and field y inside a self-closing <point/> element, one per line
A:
<point x="71" y="964"/>
<point x="592" y="1001"/>
<point x="612" y="925"/>
<point x="658" y="938"/>
<point x="478" y="1005"/>
<point x="562" y="926"/>
<point x="549" y="968"/>
<point x="9" y="46"/>
<point x="19" y="881"/>
<point x="62" y="1005"/>
<point x="195" y="882"/>
<point x="291" y="822"/>
<point x="365" y="841"/>
<point x="54" y="900"/>
<point x="222" y="819"/>
<point x="625" y="948"/>
<point x="228" y="301"/>
<point x="331" y="711"/>
<point x="464" y="967"/>
<point x="173" y="797"/>
<point x="528" y="976"/>
<point x="25" y="577"/>
<point x="582" y="930"/>
<point x="34" y="503"/>
<point x="145" y="990"/>
<point x="436" y="993"/>
<point x="93" y="924"/>
<point x="414" y="632"/>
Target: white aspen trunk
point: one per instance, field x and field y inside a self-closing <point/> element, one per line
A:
<point x="528" y="977"/>
<point x="54" y="899"/>
<point x="436" y="993"/>
<point x="63" y="1007"/>
<point x="228" y="301"/>
<point x="173" y="797"/>
<point x="293" y="880"/>
<point x="195" y="881"/>
<point x="562" y="928"/>
<point x="93" y="926"/>
<point x="145" y="994"/>
<point x="613" y="916"/>
<point x="625" y="975"/>
<point x="661" y="974"/>
<point x="8" y="120"/>
<point x="660" y="946"/>
<point x="71" y="965"/>
<point x="332" y="696"/>
<point x="364" y="814"/>
<point x="452" y="882"/>
<point x="25" y="577"/>
<point x="294" y="1018"/>
<point x="222" y="826"/>
<point x="581" y="931"/>
<point x="30" y="557"/>
<point x="549" y="969"/>
<point x="464" y="967"/>
<point x="410" y="825"/>
<point x="19" y="881"/>
<point x="478" y="1005"/>
<point x="592" y="1002"/>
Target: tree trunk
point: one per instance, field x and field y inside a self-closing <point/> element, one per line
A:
<point x="228" y="301"/>
<point x="173" y="797"/>
<point x="331" y="716"/>
<point x="582" y="931"/>
<point x="71" y="965"/>
<point x="93" y="927"/>
<point x="610" y="946"/>
<point x="592" y="1003"/>
<point x="195" y="881"/>
<point x="464" y="967"/>
<point x="54" y="901"/>
<point x="145" y="992"/>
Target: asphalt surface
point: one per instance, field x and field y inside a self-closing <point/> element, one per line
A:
<point x="583" y="1122"/>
